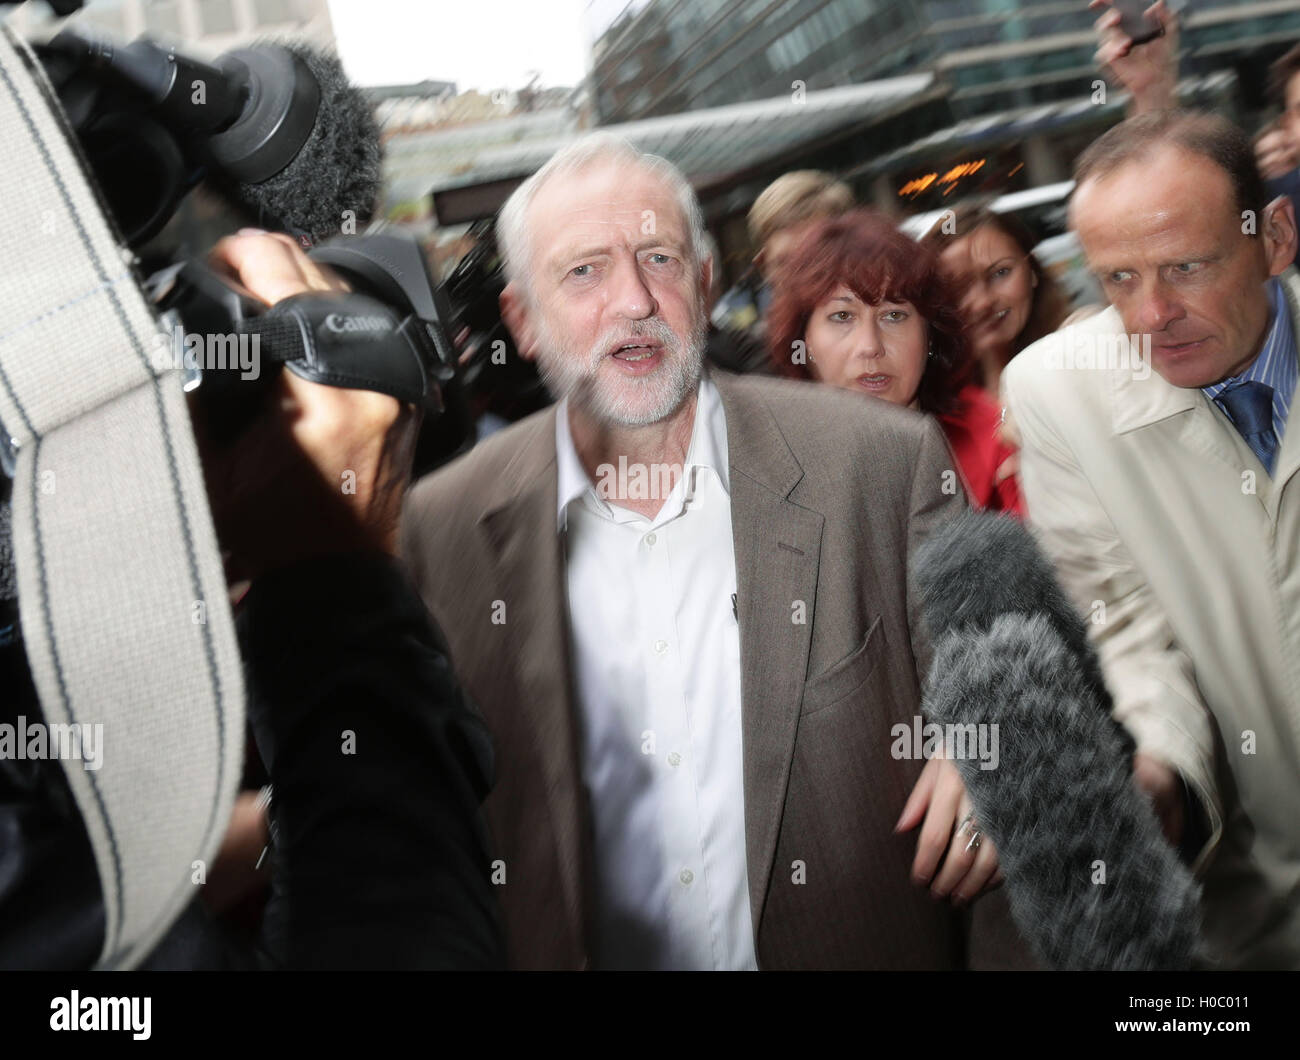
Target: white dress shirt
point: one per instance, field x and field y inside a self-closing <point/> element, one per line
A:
<point x="656" y="664"/>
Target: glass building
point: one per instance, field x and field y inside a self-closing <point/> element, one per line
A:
<point x="1000" y="54"/>
<point x="671" y="56"/>
<point x="1016" y="79"/>
<point x="668" y="56"/>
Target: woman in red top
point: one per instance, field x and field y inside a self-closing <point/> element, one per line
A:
<point x="861" y="306"/>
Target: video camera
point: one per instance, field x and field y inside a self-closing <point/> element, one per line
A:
<point x="279" y="134"/>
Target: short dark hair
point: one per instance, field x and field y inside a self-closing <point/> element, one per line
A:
<point x="1207" y="135"/>
<point x="1281" y="72"/>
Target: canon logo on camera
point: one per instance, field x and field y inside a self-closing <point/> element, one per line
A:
<point x="339" y="323"/>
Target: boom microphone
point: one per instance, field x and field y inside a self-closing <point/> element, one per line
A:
<point x="335" y="175"/>
<point x="979" y="567"/>
<point x="1090" y="880"/>
<point x="276" y="127"/>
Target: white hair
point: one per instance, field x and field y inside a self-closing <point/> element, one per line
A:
<point x="513" y="237"/>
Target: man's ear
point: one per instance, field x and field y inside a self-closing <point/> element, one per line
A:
<point x="518" y="320"/>
<point x="1279" y="231"/>
<point x="706" y="281"/>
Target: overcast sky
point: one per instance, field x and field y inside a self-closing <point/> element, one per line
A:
<point x="483" y="44"/>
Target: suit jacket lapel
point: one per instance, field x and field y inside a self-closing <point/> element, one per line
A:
<point x="521" y="523"/>
<point x="778" y="549"/>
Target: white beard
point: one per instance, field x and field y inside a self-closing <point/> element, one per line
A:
<point x="626" y="402"/>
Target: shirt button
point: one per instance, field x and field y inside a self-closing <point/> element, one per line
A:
<point x="661" y="646"/>
<point x="650" y="539"/>
<point x="674" y="759"/>
<point x="686" y="876"/>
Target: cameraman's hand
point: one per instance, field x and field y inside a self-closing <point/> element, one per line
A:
<point x="323" y="469"/>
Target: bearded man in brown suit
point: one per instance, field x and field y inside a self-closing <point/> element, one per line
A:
<point x="681" y="599"/>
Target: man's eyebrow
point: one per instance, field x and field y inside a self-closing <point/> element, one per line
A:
<point x="1182" y="259"/>
<point x="568" y="254"/>
<point x="595" y="250"/>
<point x="664" y="241"/>
<point x="1209" y="255"/>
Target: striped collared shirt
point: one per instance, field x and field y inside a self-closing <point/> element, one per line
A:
<point x="1276" y="364"/>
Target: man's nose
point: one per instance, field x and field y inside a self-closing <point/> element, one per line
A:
<point x="631" y="297"/>
<point x="1157" y="310"/>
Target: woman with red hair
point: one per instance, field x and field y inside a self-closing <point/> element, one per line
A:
<point x="859" y="305"/>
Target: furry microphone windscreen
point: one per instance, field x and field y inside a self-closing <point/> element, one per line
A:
<point x="978" y="566"/>
<point x="1090" y="880"/>
<point x="338" y="169"/>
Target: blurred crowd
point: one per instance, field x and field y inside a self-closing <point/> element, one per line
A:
<point x="676" y="624"/>
<point x="1142" y="437"/>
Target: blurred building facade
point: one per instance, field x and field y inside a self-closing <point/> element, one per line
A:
<point x="916" y="103"/>
<point x="999" y="54"/>
<point x="1018" y="93"/>
<point x="438" y="149"/>
<point x="661" y="58"/>
<point x="669" y="56"/>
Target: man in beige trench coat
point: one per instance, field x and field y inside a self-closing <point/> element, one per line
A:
<point x="1162" y="481"/>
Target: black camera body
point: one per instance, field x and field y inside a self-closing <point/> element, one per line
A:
<point x="385" y="334"/>
<point x="280" y="135"/>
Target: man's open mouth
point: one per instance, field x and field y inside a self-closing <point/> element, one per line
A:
<point x="635" y="351"/>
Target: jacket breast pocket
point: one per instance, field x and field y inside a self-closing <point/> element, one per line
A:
<point x="848" y="675"/>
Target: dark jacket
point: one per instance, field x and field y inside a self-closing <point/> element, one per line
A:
<point x="379" y="861"/>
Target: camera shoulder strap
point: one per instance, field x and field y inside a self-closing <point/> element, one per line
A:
<point x="122" y="599"/>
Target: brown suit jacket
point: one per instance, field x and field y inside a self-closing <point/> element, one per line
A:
<point x="830" y="494"/>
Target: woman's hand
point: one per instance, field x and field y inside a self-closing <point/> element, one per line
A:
<point x="949" y="835"/>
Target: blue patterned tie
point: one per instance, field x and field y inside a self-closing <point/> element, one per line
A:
<point x="1250" y="407"/>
